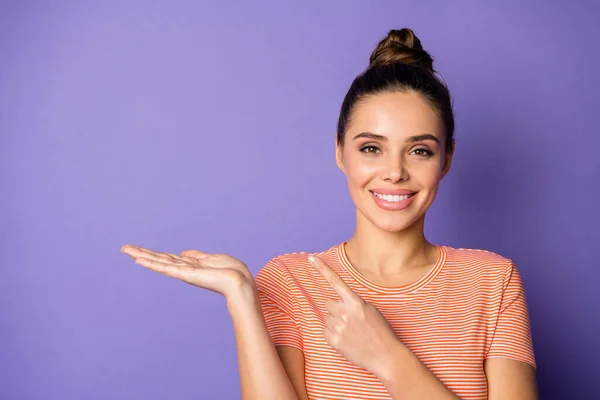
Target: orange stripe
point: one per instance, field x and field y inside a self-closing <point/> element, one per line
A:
<point x="470" y="306"/>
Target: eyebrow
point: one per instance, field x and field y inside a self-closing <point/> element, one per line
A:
<point x="411" y="139"/>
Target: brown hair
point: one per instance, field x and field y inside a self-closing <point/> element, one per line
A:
<point x="399" y="63"/>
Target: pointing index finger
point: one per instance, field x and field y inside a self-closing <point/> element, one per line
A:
<point x="345" y="293"/>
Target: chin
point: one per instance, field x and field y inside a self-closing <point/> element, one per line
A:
<point x="393" y="226"/>
<point x="391" y="223"/>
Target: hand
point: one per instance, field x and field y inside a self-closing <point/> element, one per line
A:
<point x="216" y="272"/>
<point x="355" y="328"/>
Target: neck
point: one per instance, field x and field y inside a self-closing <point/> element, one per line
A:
<point x="384" y="253"/>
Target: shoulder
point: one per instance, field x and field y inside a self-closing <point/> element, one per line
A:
<point x="477" y="258"/>
<point x="293" y="267"/>
<point x="478" y="264"/>
<point x="480" y="274"/>
<point x="283" y="265"/>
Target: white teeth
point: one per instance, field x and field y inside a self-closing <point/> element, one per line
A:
<point x="392" y="198"/>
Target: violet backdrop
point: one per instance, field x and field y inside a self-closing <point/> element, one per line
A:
<point x="210" y="125"/>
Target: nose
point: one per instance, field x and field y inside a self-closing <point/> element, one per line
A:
<point x="395" y="170"/>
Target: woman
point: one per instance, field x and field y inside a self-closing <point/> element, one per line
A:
<point x="386" y="314"/>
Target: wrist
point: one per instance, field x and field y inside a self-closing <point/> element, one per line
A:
<point x="407" y="376"/>
<point x="244" y="296"/>
<point x="395" y="360"/>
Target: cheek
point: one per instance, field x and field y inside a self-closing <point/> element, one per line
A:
<point x="430" y="176"/>
<point x="427" y="173"/>
<point x="358" y="170"/>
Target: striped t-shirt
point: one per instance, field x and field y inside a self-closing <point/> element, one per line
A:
<point x="469" y="307"/>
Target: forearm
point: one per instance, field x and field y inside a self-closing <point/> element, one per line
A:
<point x="262" y="375"/>
<point x="408" y="378"/>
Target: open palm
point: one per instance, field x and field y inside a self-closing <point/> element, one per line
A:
<point x="220" y="273"/>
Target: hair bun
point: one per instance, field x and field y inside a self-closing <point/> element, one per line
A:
<point x="401" y="46"/>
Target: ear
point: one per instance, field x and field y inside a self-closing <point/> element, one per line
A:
<point x="338" y="156"/>
<point x="448" y="159"/>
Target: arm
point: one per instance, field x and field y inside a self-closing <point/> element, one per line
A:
<point x="509" y="364"/>
<point x="409" y="378"/>
<point x="507" y="379"/>
<point x="262" y="375"/>
<point x="274" y="287"/>
<point x="359" y="332"/>
<point x="510" y="379"/>
<point x="510" y="361"/>
<point x="293" y="362"/>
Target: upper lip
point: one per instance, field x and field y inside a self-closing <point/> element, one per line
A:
<point x="393" y="192"/>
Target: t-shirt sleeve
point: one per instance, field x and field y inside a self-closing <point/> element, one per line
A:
<point x="512" y="336"/>
<point x="274" y="286"/>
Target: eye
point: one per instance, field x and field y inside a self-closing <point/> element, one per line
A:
<point x="423" y="152"/>
<point x="370" y="149"/>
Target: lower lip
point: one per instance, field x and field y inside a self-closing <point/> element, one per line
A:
<point x="393" y="205"/>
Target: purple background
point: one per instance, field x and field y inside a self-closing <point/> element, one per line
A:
<point x="211" y="125"/>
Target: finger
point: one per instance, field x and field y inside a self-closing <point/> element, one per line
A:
<point x="189" y="259"/>
<point x="207" y="278"/>
<point x="132" y="247"/>
<point x="335" y="308"/>
<point x="345" y="293"/>
<point x="133" y="251"/>
<point x="331" y="323"/>
<point x="137" y="252"/>
<point x="194" y="254"/>
<point x="126" y="249"/>
<point x="160" y="253"/>
<point x="331" y="337"/>
<point x="176" y="271"/>
<point x="203" y="259"/>
<point x="168" y="257"/>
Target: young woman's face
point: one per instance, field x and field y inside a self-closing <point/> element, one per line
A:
<point x="394" y="158"/>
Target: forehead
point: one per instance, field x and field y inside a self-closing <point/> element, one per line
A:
<point x="396" y="115"/>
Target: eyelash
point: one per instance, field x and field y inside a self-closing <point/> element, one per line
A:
<point x="364" y="149"/>
<point x="427" y="153"/>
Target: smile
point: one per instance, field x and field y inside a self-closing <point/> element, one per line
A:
<point x="393" y="198"/>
